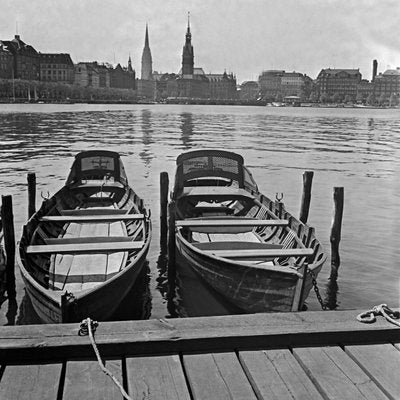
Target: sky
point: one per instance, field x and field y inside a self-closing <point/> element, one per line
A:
<point x="245" y="37"/>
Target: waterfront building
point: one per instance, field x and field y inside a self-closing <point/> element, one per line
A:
<point x="191" y="82"/>
<point x="339" y="83"/>
<point x="295" y="84"/>
<point x="87" y="74"/>
<point x="26" y="59"/>
<point x="249" y="90"/>
<point x="166" y="85"/>
<point x="6" y="62"/>
<point x="387" y="85"/>
<point x="270" y="84"/>
<point x="278" y="84"/>
<point x="56" y="68"/>
<point x="364" y="90"/>
<point x="222" y="86"/>
<point x="123" y="77"/>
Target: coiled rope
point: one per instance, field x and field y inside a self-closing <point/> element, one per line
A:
<point x="383" y="309"/>
<point x="88" y="327"/>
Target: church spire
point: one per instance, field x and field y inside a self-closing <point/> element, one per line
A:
<point x="146" y="39"/>
<point x="130" y="69"/>
<point x="188" y="53"/>
<point x="147" y="62"/>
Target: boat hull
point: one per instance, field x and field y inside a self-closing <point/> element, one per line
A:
<point x="249" y="288"/>
<point x="99" y="303"/>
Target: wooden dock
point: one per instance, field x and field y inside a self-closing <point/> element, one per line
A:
<point x="303" y="355"/>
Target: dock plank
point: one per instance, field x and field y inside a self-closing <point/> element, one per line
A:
<point x="336" y="375"/>
<point x="382" y="363"/>
<point x="156" y="377"/>
<point x="217" y="376"/>
<point x="30" y="382"/>
<point x="85" y="380"/>
<point x="276" y="374"/>
<point x="248" y="332"/>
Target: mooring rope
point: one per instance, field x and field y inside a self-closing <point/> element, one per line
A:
<point x="86" y="327"/>
<point x="383" y="309"/>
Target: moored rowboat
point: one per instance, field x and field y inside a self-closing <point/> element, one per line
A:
<point x="81" y="252"/>
<point x="242" y="244"/>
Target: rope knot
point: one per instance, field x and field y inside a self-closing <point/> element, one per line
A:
<point x="86" y="325"/>
<point x="383" y="309"/>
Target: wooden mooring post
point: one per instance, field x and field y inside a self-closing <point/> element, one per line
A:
<point x="306" y="197"/>
<point x="31" y="194"/>
<point x="336" y="229"/>
<point x="7" y="219"/>
<point x="171" y="242"/>
<point x="330" y="300"/>
<point x="164" y="188"/>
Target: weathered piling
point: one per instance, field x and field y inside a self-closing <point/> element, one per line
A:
<point x="9" y="243"/>
<point x="171" y="242"/>
<point x="330" y="300"/>
<point x="336" y="229"/>
<point x="164" y="188"/>
<point x="31" y="194"/>
<point x="306" y="197"/>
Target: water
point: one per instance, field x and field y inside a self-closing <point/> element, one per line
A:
<point x="358" y="149"/>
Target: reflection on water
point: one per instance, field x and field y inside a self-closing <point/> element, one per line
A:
<point x="356" y="149"/>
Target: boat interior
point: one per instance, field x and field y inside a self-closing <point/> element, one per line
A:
<point x="235" y="223"/>
<point x="87" y="232"/>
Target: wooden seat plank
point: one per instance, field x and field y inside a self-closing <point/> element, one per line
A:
<point x="30" y="381"/>
<point x="231" y="222"/>
<point x="94" y="211"/>
<point x="84" y="247"/>
<point x="88" y="239"/>
<point x="92" y="218"/>
<point x="275" y="374"/>
<point x="85" y="380"/>
<point x="255" y="253"/>
<point x="217" y="376"/>
<point x="156" y="377"/>
<point x="338" y="376"/>
<point x="382" y="364"/>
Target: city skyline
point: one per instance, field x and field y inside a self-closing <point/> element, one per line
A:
<point x="241" y="37"/>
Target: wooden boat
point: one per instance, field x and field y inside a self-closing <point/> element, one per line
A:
<point x="81" y="252"/>
<point x="244" y="245"/>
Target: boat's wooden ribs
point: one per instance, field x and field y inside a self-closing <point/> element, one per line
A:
<point x="231" y="222"/>
<point x="100" y="246"/>
<point x="92" y="218"/>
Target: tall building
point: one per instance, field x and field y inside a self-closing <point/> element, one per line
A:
<point x="26" y="59"/>
<point x="56" y="68"/>
<point x="387" y="84"/>
<point x="187" y="53"/>
<point x="339" y="82"/>
<point x="6" y="62"/>
<point x="270" y="83"/>
<point x="147" y="62"/>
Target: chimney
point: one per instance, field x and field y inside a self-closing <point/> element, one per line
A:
<point x="374" y="69"/>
